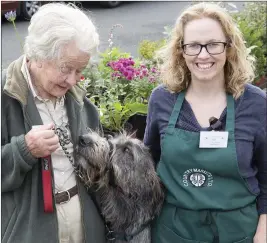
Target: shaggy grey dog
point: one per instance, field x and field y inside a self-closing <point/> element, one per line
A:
<point x="131" y="193"/>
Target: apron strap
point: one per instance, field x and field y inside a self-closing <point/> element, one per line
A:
<point x="175" y="112"/>
<point x="230" y="116"/>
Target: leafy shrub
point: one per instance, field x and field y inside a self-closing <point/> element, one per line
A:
<point x="148" y="48"/>
<point x="252" y="23"/>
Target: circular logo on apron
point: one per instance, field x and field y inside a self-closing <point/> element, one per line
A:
<point x="197" y="178"/>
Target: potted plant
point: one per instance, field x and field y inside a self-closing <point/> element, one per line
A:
<point x="120" y="88"/>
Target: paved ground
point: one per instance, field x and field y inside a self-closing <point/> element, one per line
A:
<point x="140" y="20"/>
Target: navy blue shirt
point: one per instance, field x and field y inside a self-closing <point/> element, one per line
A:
<point x="250" y="133"/>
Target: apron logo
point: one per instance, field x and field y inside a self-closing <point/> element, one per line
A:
<point x="197" y="178"/>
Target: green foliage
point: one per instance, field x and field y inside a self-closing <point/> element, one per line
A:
<point x="167" y="32"/>
<point x="141" y="90"/>
<point x="117" y="97"/>
<point x="113" y="116"/>
<point x="91" y="75"/>
<point x="252" y="23"/>
<point x="148" y="48"/>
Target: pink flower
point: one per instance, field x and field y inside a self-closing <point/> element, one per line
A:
<point x="119" y="65"/>
<point x="153" y="70"/>
<point x="144" y="72"/>
<point x="152" y="80"/>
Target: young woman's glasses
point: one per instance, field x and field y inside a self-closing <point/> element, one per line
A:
<point x="213" y="48"/>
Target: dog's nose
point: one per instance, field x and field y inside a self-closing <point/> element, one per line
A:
<point x="85" y="140"/>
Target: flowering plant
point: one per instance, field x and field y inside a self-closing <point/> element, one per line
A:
<point x="11" y="17"/>
<point x="137" y="81"/>
<point x="120" y="87"/>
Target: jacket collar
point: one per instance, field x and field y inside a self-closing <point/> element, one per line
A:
<point x="17" y="87"/>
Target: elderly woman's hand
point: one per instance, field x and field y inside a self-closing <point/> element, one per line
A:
<point x="42" y="141"/>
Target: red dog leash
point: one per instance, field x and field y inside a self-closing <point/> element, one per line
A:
<point x="47" y="184"/>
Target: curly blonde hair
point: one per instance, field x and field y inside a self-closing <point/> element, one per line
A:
<point x="239" y="67"/>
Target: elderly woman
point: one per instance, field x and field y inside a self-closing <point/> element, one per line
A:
<point x="206" y="127"/>
<point x="40" y="94"/>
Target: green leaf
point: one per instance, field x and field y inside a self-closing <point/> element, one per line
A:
<point x="118" y="106"/>
<point x="137" y="108"/>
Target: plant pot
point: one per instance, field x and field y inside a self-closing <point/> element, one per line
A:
<point x="138" y="122"/>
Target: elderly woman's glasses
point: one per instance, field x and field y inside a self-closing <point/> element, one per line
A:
<point x="67" y="69"/>
<point x="213" y="48"/>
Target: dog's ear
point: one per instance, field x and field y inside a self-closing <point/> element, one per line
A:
<point x="133" y="134"/>
<point x="88" y="130"/>
<point x="129" y="133"/>
<point x="108" y="137"/>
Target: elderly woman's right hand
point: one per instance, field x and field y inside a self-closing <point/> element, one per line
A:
<point x="42" y="141"/>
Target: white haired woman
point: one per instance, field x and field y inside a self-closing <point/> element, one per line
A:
<point x="206" y="127"/>
<point x="41" y="89"/>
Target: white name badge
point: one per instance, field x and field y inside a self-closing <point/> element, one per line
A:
<point x="213" y="139"/>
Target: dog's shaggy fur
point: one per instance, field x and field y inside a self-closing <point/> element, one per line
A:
<point x="131" y="192"/>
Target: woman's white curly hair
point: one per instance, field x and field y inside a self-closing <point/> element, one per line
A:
<point x="55" y="25"/>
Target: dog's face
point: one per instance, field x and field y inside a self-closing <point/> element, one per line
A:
<point x="92" y="151"/>
<point x="126" y="160"/>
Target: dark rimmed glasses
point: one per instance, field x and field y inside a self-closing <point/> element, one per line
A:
<point x="213" y="48"/>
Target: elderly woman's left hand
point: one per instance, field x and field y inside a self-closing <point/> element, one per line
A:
<point x="261" y="233"/>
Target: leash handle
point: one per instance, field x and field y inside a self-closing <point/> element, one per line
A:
<point x="47" y="184"/>
<point x="47" y="181"/>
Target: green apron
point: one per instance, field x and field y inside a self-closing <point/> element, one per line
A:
<point x="206" y="198"/>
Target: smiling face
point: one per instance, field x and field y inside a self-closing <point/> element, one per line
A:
<point x="204" y="66"/>
<point x="55" y="78"/>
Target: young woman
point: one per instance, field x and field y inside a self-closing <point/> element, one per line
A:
<point x="206" y="128"/>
